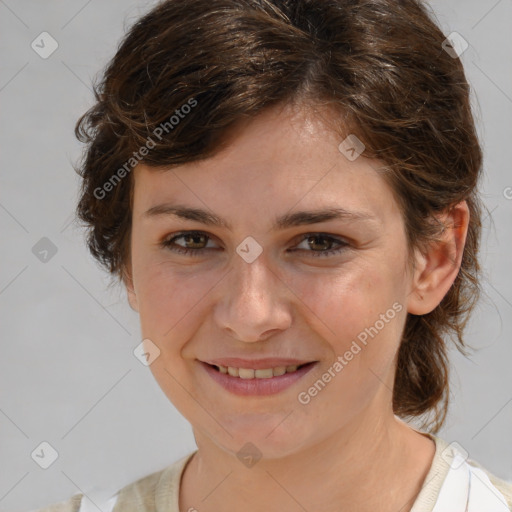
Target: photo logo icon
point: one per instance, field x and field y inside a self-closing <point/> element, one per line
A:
<point x="249" y="455"/>
<point x="44" y="250"/>
<point x="455" y="45"/>
<point x="351" y="147"/>
<point x="454" y="454"/>
<point x="44" y="455"/>
<point x="146" y="352"/>
<point x="44" y="45"/>
<point x="249" y="249"/>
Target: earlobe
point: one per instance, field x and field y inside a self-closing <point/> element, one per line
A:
<point x="132" y="300"/>
<point x="130" y="291"/>
<point x="438" y="265"/>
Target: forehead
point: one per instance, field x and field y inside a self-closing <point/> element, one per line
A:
<point x="272" y="162"/>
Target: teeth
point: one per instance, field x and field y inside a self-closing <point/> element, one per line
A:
<point x="232" y="371"/>
<point x="264" y="373"/>
<point x="246" y="373"/>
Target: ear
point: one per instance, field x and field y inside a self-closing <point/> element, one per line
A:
<point x="130" y="290"/>
<point x="437" y="266"/>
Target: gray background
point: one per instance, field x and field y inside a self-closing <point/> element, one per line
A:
<point x="68" y="374"/>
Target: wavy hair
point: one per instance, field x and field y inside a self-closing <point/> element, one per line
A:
<point x="379" y="63"/>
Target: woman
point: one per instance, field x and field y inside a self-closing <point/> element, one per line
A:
<point x="288" y="191"/>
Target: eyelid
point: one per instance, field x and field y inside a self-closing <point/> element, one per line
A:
<point x="299" y="237"/>
<point x="342" y="243"/>
<point x="337" y="238"/>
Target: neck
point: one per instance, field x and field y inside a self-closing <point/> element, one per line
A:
<point x="372" y="464"/>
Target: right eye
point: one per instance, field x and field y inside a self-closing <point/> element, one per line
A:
<point x="192" y="237"/>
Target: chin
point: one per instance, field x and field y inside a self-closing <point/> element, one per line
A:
<point x="269" y="437"/>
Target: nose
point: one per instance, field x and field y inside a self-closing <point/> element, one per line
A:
<point x="253" y="305"/>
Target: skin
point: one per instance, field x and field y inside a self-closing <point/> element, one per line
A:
<point x="345" y="450"/>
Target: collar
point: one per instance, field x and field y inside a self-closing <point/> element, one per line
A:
<point x="467" y="489"/>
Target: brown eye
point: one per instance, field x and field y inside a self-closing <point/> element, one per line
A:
<point x="318" y="244"/>
<point x="321" y="244"/>
<point x="195" y="240"/>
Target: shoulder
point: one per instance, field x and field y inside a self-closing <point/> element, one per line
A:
<point x="457" y="482"/>
<point x="464" y="475"/>
<point x="491" y="480"/>
<point x="70" y="505"/>
<point x="156" y="491"/>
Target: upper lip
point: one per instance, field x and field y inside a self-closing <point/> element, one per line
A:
<point x="257" y="364"/>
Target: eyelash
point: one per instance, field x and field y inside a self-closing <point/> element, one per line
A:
<point x="168" y="244"/>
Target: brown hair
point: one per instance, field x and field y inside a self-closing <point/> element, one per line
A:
<point x="379" y="63"/>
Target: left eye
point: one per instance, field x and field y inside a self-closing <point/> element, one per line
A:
<point x="312" y="239"/>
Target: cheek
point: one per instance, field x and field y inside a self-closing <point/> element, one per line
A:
<point x="170" y="299"/>
<point x="360" y="315"/>
<point x="350" y="300"/>
<point x="337" y="305"/>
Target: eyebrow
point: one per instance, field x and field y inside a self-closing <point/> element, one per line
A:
<point x="287" y="220"/>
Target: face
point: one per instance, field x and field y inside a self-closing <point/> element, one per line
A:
<point x="330" y="291"/>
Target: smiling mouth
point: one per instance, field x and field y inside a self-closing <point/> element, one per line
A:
<point x="263" y="373"/>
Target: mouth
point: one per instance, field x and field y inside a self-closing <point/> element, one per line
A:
<point x="257" y="382"/>
<point x="259" y="373"/>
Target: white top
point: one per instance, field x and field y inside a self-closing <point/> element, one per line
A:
<point x="466" y="488"/>
<point x="106" y="506"/>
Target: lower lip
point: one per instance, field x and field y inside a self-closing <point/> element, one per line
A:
<point x="255" y="387"/>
